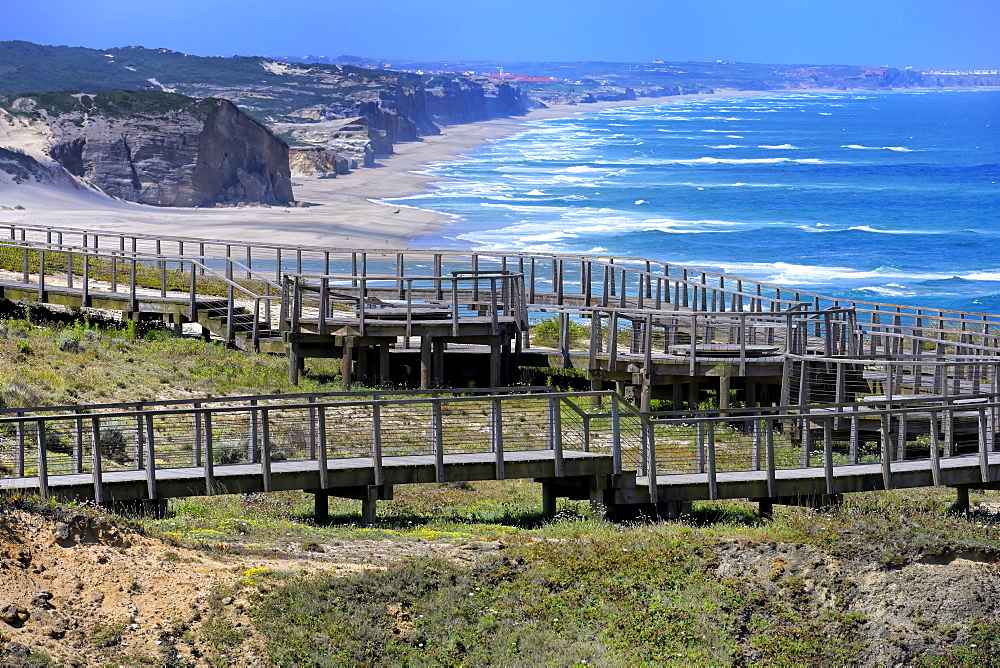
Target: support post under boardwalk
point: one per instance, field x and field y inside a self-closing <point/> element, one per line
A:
<point x="346" y="367"/>
<point x="383" y="365"/>
<point x="425" y="363"/>
<point x="962" y="499"/>
<point x="293" y="364"/>
<point x="548" y="499"/>
<point x="724" y="385"/>
<point x="321" y="512"/>
<point x="765" y="508"/>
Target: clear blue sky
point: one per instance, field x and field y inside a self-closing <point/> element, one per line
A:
<point x="921" y="33"/>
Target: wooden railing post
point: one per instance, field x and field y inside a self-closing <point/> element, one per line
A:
<point x="713" y="482"/>
<point x="496" y="435"/>
<point x="150" y="459"/>
<point x="324" y="466"/>
<point x="95" y="442"/>
<point x="21" y="445"/>
<point x="935" y="455"/>
<point x="437" y="440"/>
<point x="616" y="434"/>
<point x="43" y="462"/>
<point x="556" y="443"/>
<point x="769" y="458"/>
<point x="209" y="455"/>
<point x="828" y="454"/>
<point x="377" y="443"/>
<point x="885" y="438"/>
<point x="265" y="451"/>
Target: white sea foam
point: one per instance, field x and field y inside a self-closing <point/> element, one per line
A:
<point x="726" y="146"/>
<point x="779" y="146"/>
<point x="534" y="192"/>
<point x="747" y="161"/>
<point x="801" y="274"/>
<point x="517" y="207"/>
<point x="982" y="276"/>
<point x="886" y="291"/>
<point x="578" y="169"/>
<point x="859" y="147"/>
<point x="866" y="228"/>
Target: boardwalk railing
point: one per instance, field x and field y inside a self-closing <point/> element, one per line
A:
<point x="815" y="379"/>
<point x="564" y="280"/>
<point x="210" y="437"/>
<point x="330" y="300"/>
<point x="801" y="437"/>
<point x="165" y="284"/>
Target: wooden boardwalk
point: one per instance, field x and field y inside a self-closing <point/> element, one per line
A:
<point x="812" y="483"/>
<point x="829" y="379"/>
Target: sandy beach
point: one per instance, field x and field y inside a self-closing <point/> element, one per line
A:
<point x="341" y="212"/>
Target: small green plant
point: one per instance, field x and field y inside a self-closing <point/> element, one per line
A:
<point x="114" y="445"/>
<point x="108" y="635"/>
<point x="69" y="343"/>
<point x="547" y="332"/>
<point x="228" y="452"/>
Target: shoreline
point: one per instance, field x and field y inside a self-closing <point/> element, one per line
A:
<point x="343" y="212"/>
<point x="457" y="140"/>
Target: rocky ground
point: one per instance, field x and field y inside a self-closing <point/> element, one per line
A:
<point x="82" y="589"/>
<point x="78" y="588"/>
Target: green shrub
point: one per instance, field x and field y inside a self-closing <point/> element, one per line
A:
<point x="115" y="446"/>
<point x="70" y="344"/>
<point x="229" y="452"/>
<point x="546" y="332"/>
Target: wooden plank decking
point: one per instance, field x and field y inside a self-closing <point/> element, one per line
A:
<point x="811" y="482"/>
<point x="343" y="474"/>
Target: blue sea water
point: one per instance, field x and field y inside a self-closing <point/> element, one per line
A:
<point x="882" y="196"/>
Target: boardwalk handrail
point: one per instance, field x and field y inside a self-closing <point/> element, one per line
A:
<point x="565" y="280"/>
<point x="696" y="281"/>
<point x="211" y="437"/>
<point x="345" y="298"/>
<point x="828" y="437"/>
<point x="296" y="397"/>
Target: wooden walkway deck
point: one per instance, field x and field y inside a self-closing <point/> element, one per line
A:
<point x="657" y="330"/>
<point x="811" y="483"/>
<point x="342" y="475"/>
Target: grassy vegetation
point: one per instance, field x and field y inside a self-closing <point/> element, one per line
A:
<point x="115" y="103"/>
<point x="116" y="363"/>
<point x="569" y="590"/>
<point x="147" y="274"/>
<point x="573" y="590"/>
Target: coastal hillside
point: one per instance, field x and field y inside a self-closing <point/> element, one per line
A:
<point x="151" y="147"/>
<point x="588" y="82"/>
<point x="336" y="117"/>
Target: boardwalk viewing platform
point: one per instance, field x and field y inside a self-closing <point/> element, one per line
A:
<point x="775" y="395"/>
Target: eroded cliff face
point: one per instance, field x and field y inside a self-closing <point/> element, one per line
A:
<point x="451" y="101"/>
<point x="241" y="158"/>
<point x="157" y="148"/>
<point x="334" y="147"/>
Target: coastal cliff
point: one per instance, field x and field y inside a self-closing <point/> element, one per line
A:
<point x="152" y="147"/>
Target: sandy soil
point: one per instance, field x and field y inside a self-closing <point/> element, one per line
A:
<point x="92" y="592"/>
<point x="342" y="212"/>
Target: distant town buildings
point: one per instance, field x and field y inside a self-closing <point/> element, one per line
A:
<point x="962" y="73"/>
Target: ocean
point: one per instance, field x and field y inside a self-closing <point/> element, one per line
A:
<point x="876" y="196"/>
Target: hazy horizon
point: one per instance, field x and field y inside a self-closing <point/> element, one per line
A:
<point x="925" y="34"/>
